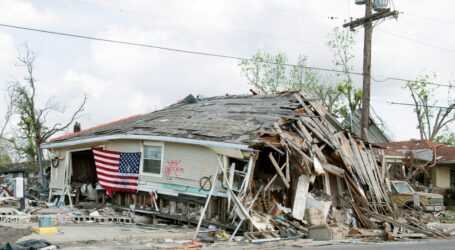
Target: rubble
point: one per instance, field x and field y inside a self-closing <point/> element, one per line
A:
<point x="308" y="178"/>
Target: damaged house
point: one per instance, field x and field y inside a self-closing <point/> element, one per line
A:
<point x="252" y="156"/>
<point x="428" y="165"/>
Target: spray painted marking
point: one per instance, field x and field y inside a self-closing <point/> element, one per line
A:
<point x="173" y="167"/>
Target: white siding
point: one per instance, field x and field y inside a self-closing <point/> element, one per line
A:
<point x="58" y="173"/>
<point x="194" y="161"/>
<point x="130" y="146"/>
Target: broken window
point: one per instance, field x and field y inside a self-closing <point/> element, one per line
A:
<point x="152" y="159"/>
<point x="452" y="177"/>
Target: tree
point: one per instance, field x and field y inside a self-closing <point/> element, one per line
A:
<point x="342" y="42"/>
<point x="270" y="74"/>
<point x="265" y="72"/>
<point x="4" y="159"/>
<point x="432" y="121"/>
<point x="32" y="128"/>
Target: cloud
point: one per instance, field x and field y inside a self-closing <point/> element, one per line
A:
<point x="20" y="12"/>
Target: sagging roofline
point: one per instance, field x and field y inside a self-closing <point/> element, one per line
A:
<point x="63" y="144"/>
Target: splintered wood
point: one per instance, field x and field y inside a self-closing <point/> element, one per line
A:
<point x="316" y="144"/>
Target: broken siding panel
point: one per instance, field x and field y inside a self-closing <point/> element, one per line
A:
<point x="184" y="165"/>
<point x="58" y="173"/>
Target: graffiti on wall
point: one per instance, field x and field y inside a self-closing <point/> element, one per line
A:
<point x="173" y="168"/>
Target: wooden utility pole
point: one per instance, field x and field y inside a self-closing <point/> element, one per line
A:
<point x="367" y="21"/>
<point x="366" y="71"/>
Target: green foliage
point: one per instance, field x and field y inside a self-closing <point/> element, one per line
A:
<point x="31" y="130"/>
<point x="5" y="159"/>
<point x="265" y="72"/>
<point x="432" y="121"/>
<point x="341" y="42"/>
<point x="269" y="74"/>
<point x="446" y="139"/>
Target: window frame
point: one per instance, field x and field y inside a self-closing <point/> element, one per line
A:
<point x="144" y="144"/>
<point x="451" y="177"/>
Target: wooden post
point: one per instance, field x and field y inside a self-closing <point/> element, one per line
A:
<point x="367" y="21"/>
<point x="366" y="71"/>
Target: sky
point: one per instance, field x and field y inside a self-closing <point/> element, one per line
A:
<point x="122" y="80"/>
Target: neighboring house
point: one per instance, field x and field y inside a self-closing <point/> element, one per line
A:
<point x="375" y="134"/>
<point x="20" y="169"/>
<point x="405" y="157"/>
<point x="181" y="147"/>
<point x="26" y="170"/>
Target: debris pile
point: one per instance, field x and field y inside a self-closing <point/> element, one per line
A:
<point x="319" y="181"/>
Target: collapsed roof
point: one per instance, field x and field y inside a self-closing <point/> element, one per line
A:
<point x="231" y="119"/>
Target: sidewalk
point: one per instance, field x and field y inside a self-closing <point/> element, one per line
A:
<point x="82" y="233"/>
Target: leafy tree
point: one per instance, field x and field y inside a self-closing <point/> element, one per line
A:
<point x="446" y="138"/>
<point x="4" y="159"/>
<point x="432" y="121"/>
<point x="265" y="72"/>
<point x="341" y="42"/>
<point x="270" y="74"/>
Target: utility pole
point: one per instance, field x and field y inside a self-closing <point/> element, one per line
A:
<point x="367" y="22"/>
<point x="366" y="71"/>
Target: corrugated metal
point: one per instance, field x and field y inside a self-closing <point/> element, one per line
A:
<point x="195" y="161"/>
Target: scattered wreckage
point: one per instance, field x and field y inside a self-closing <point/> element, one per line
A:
<point x="302" y="175"/>
<point x="403" y="195"/>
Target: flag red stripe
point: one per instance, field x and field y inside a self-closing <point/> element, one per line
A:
<point x="118" y="182"/>
<point x="106" y="169"/>
<point x="110" y="178"/>
<point x="107" y="151"/>
<point x="126" y="190"/>
<point x="117" y="176"/>
<point x="107" y="163"/>
<point x="106" y="157"/>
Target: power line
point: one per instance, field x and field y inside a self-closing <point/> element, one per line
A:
<point x="200" y="53"/>
<point x="410" y="104"/>
<point x="247" y="32"/>
<point x="169" y="49"/>
<point x="416" y="41"/>
<point x="186" y="21"/>
<point x="430" y="18"/>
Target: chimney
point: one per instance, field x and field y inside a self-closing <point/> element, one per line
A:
<point x="77" y="127"/>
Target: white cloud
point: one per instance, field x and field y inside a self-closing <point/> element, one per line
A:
<point x="113" y="58"/>
<point x="18" y="12"/>
<point x="123" y="80"/>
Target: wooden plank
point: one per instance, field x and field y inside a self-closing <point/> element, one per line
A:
<point x="400" y="224"/>
<point x="319" y="153"/>
<point x="272" y="180"/>
<point x="301" y="193"/>
<point x="333" y="169"/>
<point x="231" y="182"/>
<point x="278" y="170"/>
<point x="288" y="171"/>
<point x="274" y="148"/>
<point x="241" y="211"/>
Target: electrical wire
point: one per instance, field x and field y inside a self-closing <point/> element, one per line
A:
<point x="200" y="53"/>
<point x="410" y="104"/>
<point x="186" y="21"/>
<point x="416" y="41"/>
<point x="169" y="49"/>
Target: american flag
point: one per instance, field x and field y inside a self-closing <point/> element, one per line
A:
<point x="117" y="172"/>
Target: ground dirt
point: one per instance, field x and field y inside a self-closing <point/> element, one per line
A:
<point x="11" y="235"/>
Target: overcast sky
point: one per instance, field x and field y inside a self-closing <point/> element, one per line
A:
<point x="125" y="80"/>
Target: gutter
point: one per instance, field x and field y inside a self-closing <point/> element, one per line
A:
<point x="50" y="145"/>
